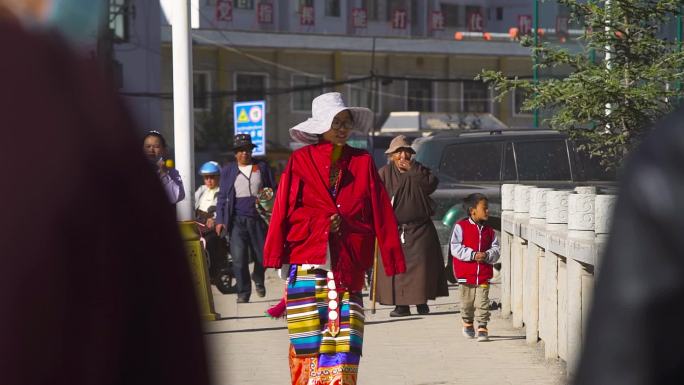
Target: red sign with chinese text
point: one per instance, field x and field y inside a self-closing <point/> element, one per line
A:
<point x="224" y="10"/>
<point x="307" y="15"/>
<point x="562" y="29"/>
<point x="475" y="21"/>
<point x="265" y="13"/>
<point x="359" y="18"/>
<point x="524" y="24"/>
<point x="437" y="21"/>
<point x="399" y="19"/>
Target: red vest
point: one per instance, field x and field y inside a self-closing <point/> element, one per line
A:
<point x="474" y="273"/>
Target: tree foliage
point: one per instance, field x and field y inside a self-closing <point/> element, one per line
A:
<point x="626" y="76"/>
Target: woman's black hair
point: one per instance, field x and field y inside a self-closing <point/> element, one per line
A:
<point x="156" y="134"/>
<point x="470" y="202"/>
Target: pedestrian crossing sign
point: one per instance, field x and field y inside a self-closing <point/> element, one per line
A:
<point x="250" y="118"/>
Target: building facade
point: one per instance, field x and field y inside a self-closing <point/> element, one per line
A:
<point x="424" y="55"/>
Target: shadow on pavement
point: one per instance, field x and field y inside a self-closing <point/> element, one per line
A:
<point x="237" y="317"/>
<point x="249" y="330"/>
<point x="408" y="318"/>
<point x="452" y="312"/>
<point x="505" y="338"/>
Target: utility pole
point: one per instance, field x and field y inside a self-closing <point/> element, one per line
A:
<point x="535" y="69"/>
<point x="183" y="122"/>
<point x="371" y="103"/>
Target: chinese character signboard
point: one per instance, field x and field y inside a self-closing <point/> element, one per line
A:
<point x="524" y="24"/>
<point x="265" y="13"/>
<point x="562" y="26"/>
<point x="224" y="10"/>
<point x="250" y="118"/>
<point x="475" y="21"/>
<point x="359" y="18"/>
<point x="399" y="19"/>
<point x="307" y="15"/>
<point x="437" y="21"/>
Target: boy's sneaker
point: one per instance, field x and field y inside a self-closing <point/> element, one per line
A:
<point x="482" y="334"/>
<point x="468" y="331"/>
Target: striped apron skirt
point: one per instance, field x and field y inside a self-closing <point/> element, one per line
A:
<point x="317" y="356"/>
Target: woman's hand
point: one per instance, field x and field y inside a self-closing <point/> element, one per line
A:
<point x="219" y="228"/>
<point x="161" y="166"/>
<point x="335" y="221"/>
<point x="210" y="223"/>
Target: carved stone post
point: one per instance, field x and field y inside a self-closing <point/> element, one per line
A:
<point x="521" y="207"/>
<point x="554" y="295"/>
<point x="581" y="219"/>
<point x="507" y="214"/>
<point x="534" y="256"/>
<point x="605" y="205"/>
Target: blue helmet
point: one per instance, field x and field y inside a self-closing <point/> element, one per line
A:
<point x="210" y="168"/>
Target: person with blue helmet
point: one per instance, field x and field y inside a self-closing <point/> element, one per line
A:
<point x="205" y="213"/>
<point x="205" y="196"/>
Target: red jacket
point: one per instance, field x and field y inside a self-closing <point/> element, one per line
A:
<point x="467" y="239"/>
<point x="299" y="227"/>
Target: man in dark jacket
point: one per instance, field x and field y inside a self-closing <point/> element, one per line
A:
<point x="95" y="287"/>
<point x="236" y="212"/>
<point x="633" y="335"/>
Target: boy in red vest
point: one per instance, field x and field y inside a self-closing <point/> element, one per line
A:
<point x="475" y="248"/>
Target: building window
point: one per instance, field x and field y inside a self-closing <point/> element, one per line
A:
<point x="451" y="15"/>
<point x="475" y="97"/>
<point x="332" y="8"/>
<point x="519" y="97"/>
<point x="394" y="5"/>
<point x="244" y="4"/>
<point x="118" y="19"/>
<point x="201" y="90"/>
<point x="499" y="13"/>
<point x="419" y="95"/>
<point x="250" y="87"/>
<point x="301" y="98"/>
<point x="360" y="94"/>
<point x="371" y="7"/>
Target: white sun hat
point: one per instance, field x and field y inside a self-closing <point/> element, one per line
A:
<point x="323" y="110"/>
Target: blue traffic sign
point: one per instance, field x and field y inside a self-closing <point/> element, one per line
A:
<point x="250" y="118"/>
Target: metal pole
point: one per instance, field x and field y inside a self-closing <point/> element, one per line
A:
<point x="678" y="84"/>
<point x="371" y="103"/>
<point x="535" y="71"/>
<point x="183" y="125"/>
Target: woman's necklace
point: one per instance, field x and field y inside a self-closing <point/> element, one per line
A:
<point x="335" y="170"/>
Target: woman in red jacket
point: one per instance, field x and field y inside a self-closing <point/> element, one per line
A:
<point x="330" y="207"/>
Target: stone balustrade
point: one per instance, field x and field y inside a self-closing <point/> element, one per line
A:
<point x="550" y="243"/>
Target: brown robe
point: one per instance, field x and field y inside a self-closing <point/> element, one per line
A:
<point x="424" y="278"/>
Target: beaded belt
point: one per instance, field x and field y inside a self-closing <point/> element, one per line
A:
<point x="333" y="306"/>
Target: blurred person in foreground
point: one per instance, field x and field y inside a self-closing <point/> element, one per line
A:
<point x="409" y="185"/>
<point x="632" y="333"/>
<point x="95" y="288"/>
<point x="329" y="208"/>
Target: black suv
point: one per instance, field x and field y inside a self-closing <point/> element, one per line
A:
<point x="481" y="161"/>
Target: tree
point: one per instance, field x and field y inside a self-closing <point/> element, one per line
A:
<point x="626" y="76"/>
<point x="213" y="128"/>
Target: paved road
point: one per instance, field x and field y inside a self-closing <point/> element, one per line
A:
<point x="247" y="348"/>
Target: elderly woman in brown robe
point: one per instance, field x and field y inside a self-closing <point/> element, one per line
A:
<point x="409" y="184"/>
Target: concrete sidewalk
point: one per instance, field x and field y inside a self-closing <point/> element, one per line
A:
<point x="245" y="347"/>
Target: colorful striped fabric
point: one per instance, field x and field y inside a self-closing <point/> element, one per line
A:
<point x="307" y="316"/>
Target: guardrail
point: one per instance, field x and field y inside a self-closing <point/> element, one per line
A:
<point x="550" y="244"/>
